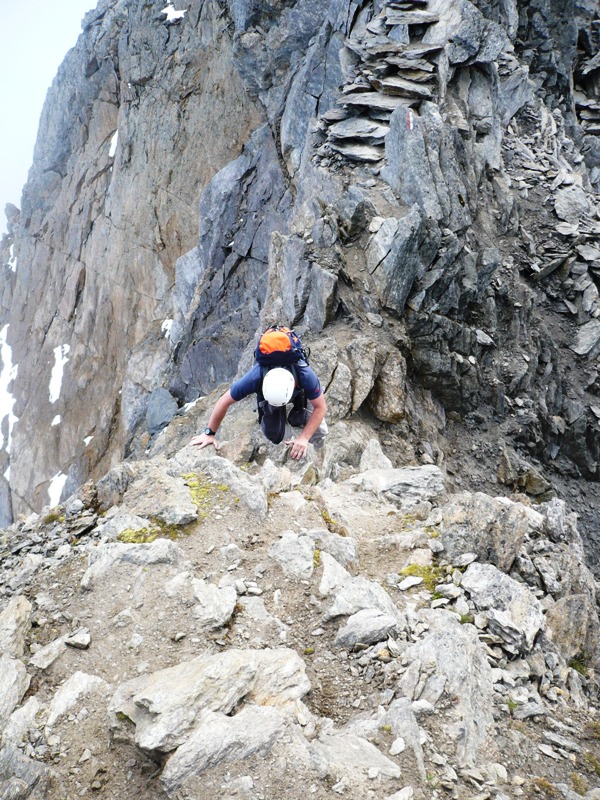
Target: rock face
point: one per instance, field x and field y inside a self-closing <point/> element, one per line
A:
<point x="348" y="164"/>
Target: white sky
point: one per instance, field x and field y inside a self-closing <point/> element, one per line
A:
<point x="34" y="38"/>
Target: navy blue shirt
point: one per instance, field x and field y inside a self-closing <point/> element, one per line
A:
<point x="251" y="382"/>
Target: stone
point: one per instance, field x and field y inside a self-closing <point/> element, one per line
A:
<point x="14" y="682"/>
<point x="341" y="548"/>
<point x="492" y="528"/>
<point x="368" y="626"/>
<point x="214" y="605"/>
<point x="47" y="655"/>
<point x="158" y="712"/>
<point x="347" y="754"/>
<point x="572" y="623"/>
<point x="21" y="722"/>
<point x="216" y="738"/>
<point x="162" y="407"/>
<point x="156" y="493"/>
<point x="588" y="338"/>
<point x="527" y="710"/>
<point x="456" y="654"/>
<point x="111" y="488"/>
<point x="373" y="457"/>
<point x="571" y="203"/>
<point x="23" y="778"/>
<point x="410" y="582"/>
<point x="358" y="128"/>
<point x="334" y="575"/>
<point x="112" y="528"/>
<point x="80" y="640"/>
<point x="73" y="690"/>
<point x="15" y="623"/>
<point x="107" y="557"/>
<point x="513" y="612"/>
<point x="358" y="594"/>
<point x="406" y="487"/>
<point x="388" y="396"/>
<point x="403" y="723"/>
<point x="295" y="554"/>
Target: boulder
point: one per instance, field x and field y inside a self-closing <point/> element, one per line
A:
<point x="406" y="487"/>
<point x="156" y="493"/>
<point x="572" y="623"/>
<point x="106" y="557"/>
<point x="366" y="627"/>
<point x="295" y="554"/>
<point x="514" y="614"/>
<point x="373" y="457"/>
<point x="388" y="397"/>
<point x="215" y="605"/>
<point x="349" y="755"/>
<point x="15" y="623"/>
<point x="358" y="594"/>
<point x="492" y="528"/>
<point x="73" y="690"/>
<point x="158" y="712"/>
<point x="162" y="407"/>
<point x="14" y="682"/>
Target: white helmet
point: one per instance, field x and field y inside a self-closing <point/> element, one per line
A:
<point x="278" y="386"/>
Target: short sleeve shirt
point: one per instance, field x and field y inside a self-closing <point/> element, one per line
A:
<point x="251" y="382"/>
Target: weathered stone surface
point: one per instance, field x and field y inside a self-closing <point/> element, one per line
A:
<point x="111" y="488"/>
<point x="373" y="457"/>
<point x="388" y="397"/>
<point x="367" y="627"/>
<point x="22" y="778"/>
<point x="14" y="682"/>
<point x="347" y="754"/>
<point x="21" y="722"/>
<point x="15" y="622"/>
<point x="588" y="338"/>
<point x="573" y="625"/>
<point x="156" y="493"/>
<point x="45" y="657"/>
<point x="106" y="557"/>
<point x="216" y="738"/>
<point x="295" y="554"/>
<point x="162" y="407"/>
<point x="74" y="689"/>
<point x="571" y="203"/>
<point x="492" y="528"/>
<point x="405" y="487"/>
<point x="358" y="594"/>
<point x="458" y="657"/>
<point x="341" y="548"/>
<point x="215" y="605"/>
<point x="165" y="706"/>
<point x="513" y="612"/>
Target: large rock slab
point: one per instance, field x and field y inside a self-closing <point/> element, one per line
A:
<point x="513" y="612"/>
<point x="405" y="487"/>
<point x="73" y="690"/>
<point x="573" y="625"/>
<point x="15" y="623"/>
<point x="366" y="627"/>
<point x="295" y="554"/>
<point x="14" y="682"/>
<point x="217" y="738"/>
<point x="453" y="652"/>
<point x="156" y="493"/>
<point x="105" y="557"/>
<point x="158" y="712"/>
<point x="493" y="528"/>
<point x="348" y="755"/>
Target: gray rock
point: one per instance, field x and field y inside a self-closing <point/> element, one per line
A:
<point x="456" y="654"/>
<point x="80" y="640"/>
<point x="358" y="594"/>
<point x="388" y="397"/>
<point x="154" y="492"/>
<point x="513" y="612"/>
<point x="492" y="528"/>
<point x="73" y="690"/>
<point x="15" y="623"/>
<point x="403" y="722"/>
<point x="295" y="554"/>
<point x="341" y="548"/>
<point x="22" y="778"/>
<point x="406" y="487"/>
<point x="162" y="407"/>
<point x="114" y="527"/>
<point x="215" y="605"/>
<point x="47" y="655"/>
<point x="366" y="627"/>
<point x="347" y="754"/>
<point x="158" y="712"/>
<point x="217" y="738"/>
<point x="111" y="488"/>
<point x="571" y="203"/>
<point x="588" y="338"/>
<point x="14" y="682"/>
<point x="106" y="557"/>
<point x="373" y="457"/>
<point x="21" y="722"/>
<point x="573" y="625"/>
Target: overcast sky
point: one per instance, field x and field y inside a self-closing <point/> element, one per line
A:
<point x="34" y="38"/>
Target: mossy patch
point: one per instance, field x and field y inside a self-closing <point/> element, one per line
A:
<point x="54" y="515"/>
<point x="316" y="558"/>
<point x="431" y="575"/>
<point x="579" y="664"/>
<point x="139" y="536"/>
<point x="580" y="785"/>
<point x="592" y="763"/>
<point x="204" y="491"/>
<point x="542" y="789"/>
<point x="466" y="619"/>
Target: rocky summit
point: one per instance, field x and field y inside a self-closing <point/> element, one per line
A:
<point x="412" y="610"/>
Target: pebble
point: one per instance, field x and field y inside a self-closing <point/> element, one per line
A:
<point x="85" y="756"/>
<point x="398" y="746"/>
<point x="409" y="582"/>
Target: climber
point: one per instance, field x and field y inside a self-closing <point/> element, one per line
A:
<point x="281" y="375"/>
<point x="275" y="388"/>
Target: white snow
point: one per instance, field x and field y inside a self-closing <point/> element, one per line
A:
<point x="188" y="406"/>
<point x="60" y="359"/>
<point x="56" y="421"/>
<point x="7" y="401"/>
<point x="87" y="440"/>
<point x="12" y="259"/>
<point x="172" y="14"/>
<point x="57" y="484"/>
<point x="113" y="144"/>
<point x="7" y="473"/>
<point x="166" y="326"/>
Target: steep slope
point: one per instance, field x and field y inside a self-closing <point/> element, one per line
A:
<point x="227" y="632"/>
<point x="416" y="179"/>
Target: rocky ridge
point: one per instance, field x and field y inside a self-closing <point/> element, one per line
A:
<point x="196" y="626"/>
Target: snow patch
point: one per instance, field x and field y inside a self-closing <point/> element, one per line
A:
<point x="172" y="14"/>
<point x="12" y="259"/>
<point x="188" y="406"/>
<point x="166" y="326"/>
<point x="113" y="144"/>
<point x="57" y="484"/>
<point x="7" y="401"/>
<point x="60" y="359"/>
<point x="87" y="440"/>
<point x="56" y="421"/>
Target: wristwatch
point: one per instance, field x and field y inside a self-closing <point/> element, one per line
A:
<point x="209" y="432"/>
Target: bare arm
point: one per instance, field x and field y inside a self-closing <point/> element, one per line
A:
<point x="216" y="418"/>
<point x="300" y="443"/>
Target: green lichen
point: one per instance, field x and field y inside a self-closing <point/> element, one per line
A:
<point x="204" y="491"/>
<point x="432" y="532"/>
<point x="593" y="730"/>
<point x="316" y="558"/>
<point x="579" y="664"/>
<point x="466" y="619"/>
<point x="308" y="651"/>
<point x="139" y="536"/>
<point x="431" y="575"/>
